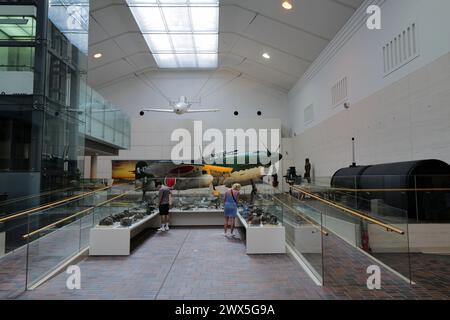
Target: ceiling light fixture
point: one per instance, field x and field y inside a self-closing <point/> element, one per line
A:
<point x="179" y="33"/>
<point x="266" y="55"/>
<point x="287" y="5"/>
<point x="98" y="55"/>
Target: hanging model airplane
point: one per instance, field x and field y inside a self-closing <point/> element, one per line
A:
<point x="181" y="107"/>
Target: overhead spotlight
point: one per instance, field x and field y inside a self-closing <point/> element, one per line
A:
<point x="236" y="113"/>
<point x="142" y="113"/>
<point x="266" y="55"/>
<point x="98" y="55"/>
<point x="259" y="113"/>
<point x="287" y="5"/>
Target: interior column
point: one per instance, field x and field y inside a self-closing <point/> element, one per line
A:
<point x="94" y="167"/>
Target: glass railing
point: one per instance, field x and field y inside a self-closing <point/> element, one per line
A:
<point x="11" y="206"/>
<point x="39" y="241"/>
<point x="304" y="231"/>
<point x="401" y="221"/>
<point x="103" y="121"/>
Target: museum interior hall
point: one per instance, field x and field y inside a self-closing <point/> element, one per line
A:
<point x="224" y="150"/>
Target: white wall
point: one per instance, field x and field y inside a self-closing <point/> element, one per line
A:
<point x="151" y="138"/>
<point x="216" y="91"/>
<point x="400" y="117"/>
<point x="151" y="134"/>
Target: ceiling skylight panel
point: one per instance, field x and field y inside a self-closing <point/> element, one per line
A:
<point x="159" y="43"/>
<point x="166" y="60"/>
<point x="179" y="33"/>
<point x="177" y="19"/>
<point x="216" y="2"/>
<point x="149" y="19"/>
<point x="183" y="43"/>
<point x="205" y="19"/>
<point x="187" y="60"/>
<point x="173" y="1"/>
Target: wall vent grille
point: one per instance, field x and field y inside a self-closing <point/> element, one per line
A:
<point x="402" y="49"/>
<point x="308" y="114"/>
<point x="339" y="92"/>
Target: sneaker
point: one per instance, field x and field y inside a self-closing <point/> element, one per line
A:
<point x="162" y="229"/>
<point x="166" y="228"/>
<point x="225" y="234"/>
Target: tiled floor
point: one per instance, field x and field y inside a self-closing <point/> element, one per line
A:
<point x="13" y="274"/>
<point x="203" y="264"/>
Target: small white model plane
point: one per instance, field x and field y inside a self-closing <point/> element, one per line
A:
<point x="181" y="107"/>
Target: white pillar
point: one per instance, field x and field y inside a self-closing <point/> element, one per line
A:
<point x="94" y="167"/>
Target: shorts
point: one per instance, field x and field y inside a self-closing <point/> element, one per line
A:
<point x="164" y="209"/>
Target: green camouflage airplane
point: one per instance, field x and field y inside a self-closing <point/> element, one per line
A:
<point x="218" y="169"/>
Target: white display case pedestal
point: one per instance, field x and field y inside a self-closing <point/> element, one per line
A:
<point x="115" y="241"/>
<point x="265" y="239"/>
<point x="200" y="217"/>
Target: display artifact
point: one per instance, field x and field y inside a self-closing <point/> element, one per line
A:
<point x="108" y="221"/>
<point x="257" y="217"/>
<point x="196" y="203"/>
<point x="126" y="222"/>
<point x="127" y="217"/>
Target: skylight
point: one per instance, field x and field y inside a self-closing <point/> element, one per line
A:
<point x="180" y="33"/>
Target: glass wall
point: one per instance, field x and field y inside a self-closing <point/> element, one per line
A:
<point x="103" y="121"/>
<point x="41" y="145"/>
<point x="47" y="111"/>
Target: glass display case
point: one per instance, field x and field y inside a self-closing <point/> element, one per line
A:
<point x="258" y="206"/>
<point x="123" y="214"/>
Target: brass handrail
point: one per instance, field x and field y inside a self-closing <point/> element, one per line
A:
<point x="53" y="204"/>
<point x="389" y="190"/>
<point x="350" y="211"/>
<point x="312" y="222"/>
<point x="77" y="214"/>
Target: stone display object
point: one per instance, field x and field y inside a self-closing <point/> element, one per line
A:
<point x="258" y="217"/>
<point x="196" y="203"/>
<point x="123" y="218"/>
<point x="126" y="222"/>
<point x="138" y="216"/>
<point x="108" y="221"/>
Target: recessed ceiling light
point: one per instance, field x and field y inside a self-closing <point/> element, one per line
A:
<point x="266" y="55"/>
<point x="98" y="55"/>
<point x="287" y="5"/>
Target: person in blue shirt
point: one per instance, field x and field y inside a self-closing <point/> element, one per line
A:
<point x="231" y="200"/>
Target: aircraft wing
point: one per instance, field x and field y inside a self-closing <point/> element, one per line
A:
<point x="202" y="110"/>
<point x="158" y="110"/>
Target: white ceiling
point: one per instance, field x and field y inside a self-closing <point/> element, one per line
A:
<point x="247" y="29"/>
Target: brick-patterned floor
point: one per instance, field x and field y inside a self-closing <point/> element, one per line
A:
<point x="202" y="264"/>
<point x="12" y="274"/>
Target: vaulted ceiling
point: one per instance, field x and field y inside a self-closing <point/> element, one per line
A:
<point x="248" y="28"/>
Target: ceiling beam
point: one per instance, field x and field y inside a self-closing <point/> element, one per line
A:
<point x="135" y="74"/>
<point x="340" y="2"/>
<point x="224" y="32"/>
<point x="278" y="21"/>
